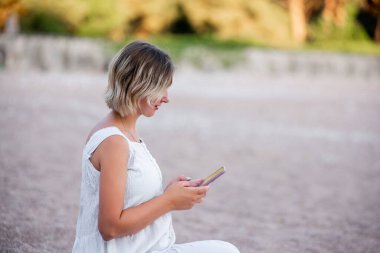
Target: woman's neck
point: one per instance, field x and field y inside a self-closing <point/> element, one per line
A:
<point x="127" y="124"/>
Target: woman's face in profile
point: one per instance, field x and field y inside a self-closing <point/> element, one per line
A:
<point x="148" y="110"/>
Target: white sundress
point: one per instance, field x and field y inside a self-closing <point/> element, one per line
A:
<point x="144" y="182"/>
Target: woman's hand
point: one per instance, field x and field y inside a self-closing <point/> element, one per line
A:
<point x="179" y="178"/>
<point x="183" y="194"/>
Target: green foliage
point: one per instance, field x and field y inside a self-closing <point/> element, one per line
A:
<point x="58" y="17"/>
<point x="223" y="27"/>
<point x="351" y="37"/>
<point x="44" y="22"/>
<point x="100" y="18"/>
<point x="322" y="30"/>
<point x="260" y="20"/>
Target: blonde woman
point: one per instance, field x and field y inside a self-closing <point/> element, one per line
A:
<point x="123" y="207"/>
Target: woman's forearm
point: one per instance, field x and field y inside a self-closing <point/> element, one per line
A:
<point x="134" y="219"/>
<point x="181" y="195"/>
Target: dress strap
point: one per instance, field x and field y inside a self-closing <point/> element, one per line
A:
<point x="100" y="135"/>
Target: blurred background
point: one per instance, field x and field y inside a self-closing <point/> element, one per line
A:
<point x="284" y="93"/>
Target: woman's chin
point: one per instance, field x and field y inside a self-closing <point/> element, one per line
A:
<point x="149" y="114"/>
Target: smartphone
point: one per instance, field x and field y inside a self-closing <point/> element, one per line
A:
<point x="208" y="180"/>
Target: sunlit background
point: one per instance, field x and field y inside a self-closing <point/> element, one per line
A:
<point x="284" y="93"/>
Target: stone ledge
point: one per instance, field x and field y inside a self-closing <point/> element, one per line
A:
<point x="50" y="53"/>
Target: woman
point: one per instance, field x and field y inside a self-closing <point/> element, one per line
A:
<point x="123" y="207"/>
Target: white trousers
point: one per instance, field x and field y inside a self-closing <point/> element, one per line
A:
<point x="209" y="246"/>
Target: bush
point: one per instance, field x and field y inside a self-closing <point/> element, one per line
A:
<point x="43" y="22"/>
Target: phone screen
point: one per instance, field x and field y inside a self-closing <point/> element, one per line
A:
<point x="208" y="180"/>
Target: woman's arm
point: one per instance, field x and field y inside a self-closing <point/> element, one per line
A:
<point x="113" y="220"/>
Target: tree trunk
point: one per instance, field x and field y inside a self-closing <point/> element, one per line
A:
<point x="12" y="26"/>
<point x="377" y="30"/>
<point x="335" y="11"/>
<point x="298" y="20"/>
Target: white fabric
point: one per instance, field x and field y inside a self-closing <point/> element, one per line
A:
<point x="144" y="182"/>
<point x="211" y="246"/>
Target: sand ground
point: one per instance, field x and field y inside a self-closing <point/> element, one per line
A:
<point x="302" y="153"/>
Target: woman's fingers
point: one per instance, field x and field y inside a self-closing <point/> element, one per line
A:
<point x="200" y="200"/>
<point x="183" y="178"/>
<point x="201" y="190"/>
<point x="185" y="183"/>
<point x="184" y="195"/>
<point x="196" y="183"/>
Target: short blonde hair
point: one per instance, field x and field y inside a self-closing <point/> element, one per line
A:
<point x="138" y="71"/>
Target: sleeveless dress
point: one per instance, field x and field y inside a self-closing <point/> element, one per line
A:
<point x="144" y="182"/>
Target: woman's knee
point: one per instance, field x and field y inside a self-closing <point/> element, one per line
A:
<point x="207" y="246"/>
<point x="227" y="247"/>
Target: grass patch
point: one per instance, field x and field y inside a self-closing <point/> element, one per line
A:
<point x="207" y="52"/>
<point x="344" y="46"/>
<point x="201" y="51"/>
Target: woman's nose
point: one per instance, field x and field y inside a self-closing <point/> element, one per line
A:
<point x="165" y="99"/>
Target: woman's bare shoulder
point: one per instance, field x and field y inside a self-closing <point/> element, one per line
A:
<point x="107" y="121"/>
<point x="114" y="145"/>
